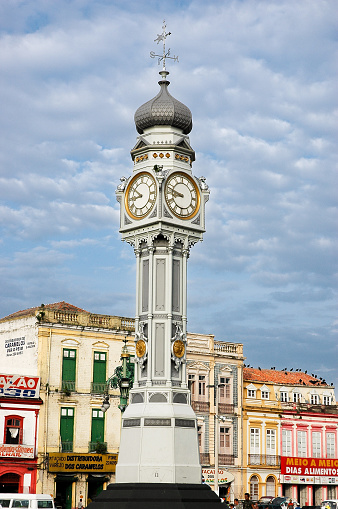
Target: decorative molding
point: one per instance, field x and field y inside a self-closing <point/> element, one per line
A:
<point x="197" y="220"/>
<point x="154" y="213"/>
<point x="166" y="213"/>
<point x="126" y="220"/>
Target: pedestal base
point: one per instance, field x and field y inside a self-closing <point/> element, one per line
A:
<point x="156" y="496"/>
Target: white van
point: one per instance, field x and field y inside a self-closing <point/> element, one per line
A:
<point x="9" y="500"/>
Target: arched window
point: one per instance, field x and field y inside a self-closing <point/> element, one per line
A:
<point x="270" y="486"/>
<point x="13" y="429"/>
<point x="254" y="487"/>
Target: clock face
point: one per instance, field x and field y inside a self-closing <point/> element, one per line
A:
<point x="140" y="195"/>
<point x="182" y="195"/>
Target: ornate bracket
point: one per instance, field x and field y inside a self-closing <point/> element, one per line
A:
<point x="178" y="346"/>
<point x="141" y="346"/>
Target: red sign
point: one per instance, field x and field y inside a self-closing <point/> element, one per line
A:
<point x="16" y="451"/>
<point x="18" y="386"/>
<point x="326" y="467"/>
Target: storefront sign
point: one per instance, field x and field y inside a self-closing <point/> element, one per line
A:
<point x="224" y="477"/>
<point x="16" y="451"/>
<point x="326" y="467"/>
<point x="91" y="463"/>
<point x="18" y="386"/>
<point x="300" y="479"/>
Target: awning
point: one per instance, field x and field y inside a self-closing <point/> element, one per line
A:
<point x="65" y="478"/>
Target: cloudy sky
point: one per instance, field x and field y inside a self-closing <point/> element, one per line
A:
<point x="258" y="77"/>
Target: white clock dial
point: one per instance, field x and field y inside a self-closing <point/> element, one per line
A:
<point x="140" y="195"/>
<point x="182" y="195"/>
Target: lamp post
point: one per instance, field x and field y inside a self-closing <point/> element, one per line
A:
<point x="122" y="378"/>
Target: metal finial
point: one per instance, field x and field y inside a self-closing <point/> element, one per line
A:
<point x="162" y="37"/>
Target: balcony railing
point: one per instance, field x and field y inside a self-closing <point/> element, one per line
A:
<point x="226" y="459"/>
<point x="68" y="385"/>
<point x="266" y="460"/>
<point x="66" y="446"/>
<point x="97" y="388"/>
<point x="99" y="447"/>
<point x="205" y="458"/>
<point x="226" y="408"/>
<point x="200" y="406"/>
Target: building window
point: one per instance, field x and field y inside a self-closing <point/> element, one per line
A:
<point x="13" y="429"/>
<point x="254" y="487"/>
<point x="99" y="372"/>
<point x="265" y="394"/>
<point x="284" y="397"/>
<point x="251" y="393"/>
<point x="316" y="444"/>
<point x="286" y="442"/>
<point x="314" y="399"/>
<point x="270" y="442"/>
<point x="301" y="444"/>
<point x="327" y="400"/>
<point x="201" y="387"/>
<point x="97" y="435"/>
<point x="224" y="440"/>
<point x="296" y="397"/>
<point x="270" y="486"/>
<point x="330" y="445"/>
<point x="68" y="369"/>
<point x="224" y="390"/>
<point x="67" y="429"/>
<point x="254" y="440"/>
<point x="191" y="385"/>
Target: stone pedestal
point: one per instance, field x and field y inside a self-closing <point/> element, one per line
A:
<point x="156" y="496"/>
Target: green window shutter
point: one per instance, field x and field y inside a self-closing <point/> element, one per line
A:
<point x="99" y="369"/>
<point x="67" y="428"/>
<point x="69" y="365"/>
<point x="97" y="426"/>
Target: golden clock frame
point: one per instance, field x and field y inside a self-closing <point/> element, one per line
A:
<point x="198" y="194"/>
<point x="126" y="205"/>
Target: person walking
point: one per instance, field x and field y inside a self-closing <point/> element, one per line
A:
<point x="247" y="504"/>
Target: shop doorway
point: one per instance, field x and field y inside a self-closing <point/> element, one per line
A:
<point x="63" y="494"/>
<point x="95" y="486"/>
<point x="224" y="492"/>
<point x="9" y="483"/>
<point x="317" y="494"/>
<point x="302" y="495"/>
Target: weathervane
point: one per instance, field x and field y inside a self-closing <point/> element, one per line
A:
<point x="159" y="38"/>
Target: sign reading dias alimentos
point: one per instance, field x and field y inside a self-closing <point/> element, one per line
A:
<point x="18" y="386"/>
<point x="327" y="467"/>
<point x="69" y="462"/>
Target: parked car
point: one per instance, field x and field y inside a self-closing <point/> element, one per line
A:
<point x="25" y="500"/>
<point x="264" y="502"/>
<point x="282" y="503"/>
<point x="329" y="504"/>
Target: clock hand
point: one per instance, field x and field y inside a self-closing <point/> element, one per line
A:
<point x="175" y="193"/>
<point x="133" y="198"/>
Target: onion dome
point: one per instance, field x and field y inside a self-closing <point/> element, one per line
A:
<point x="163" y="109"/>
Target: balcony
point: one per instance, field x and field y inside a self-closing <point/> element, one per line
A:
<point x="99" y="447"/>
<point x="264" y="460"/>
<point x="225" y="408"/>
<point x="226" y="459"/>
<point x="68" y="386"/>
<point x="96" y="388"/>
<point x="309" y="407"/>
<point x="204" y="458"/>
<point x="66" y="446"/>
<point x="201" y="406"/>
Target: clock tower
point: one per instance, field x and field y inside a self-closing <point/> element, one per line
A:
<point x="162" y="216"/>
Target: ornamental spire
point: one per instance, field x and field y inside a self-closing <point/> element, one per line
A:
<point x="162" y="37"/>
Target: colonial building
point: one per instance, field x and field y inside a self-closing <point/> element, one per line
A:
<point x="289" y="423"/>
<point x="73" y="353"/>
<point x="62" y="429"/>
<point x="19" y="413"/>
<point x="215" y="372"/>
